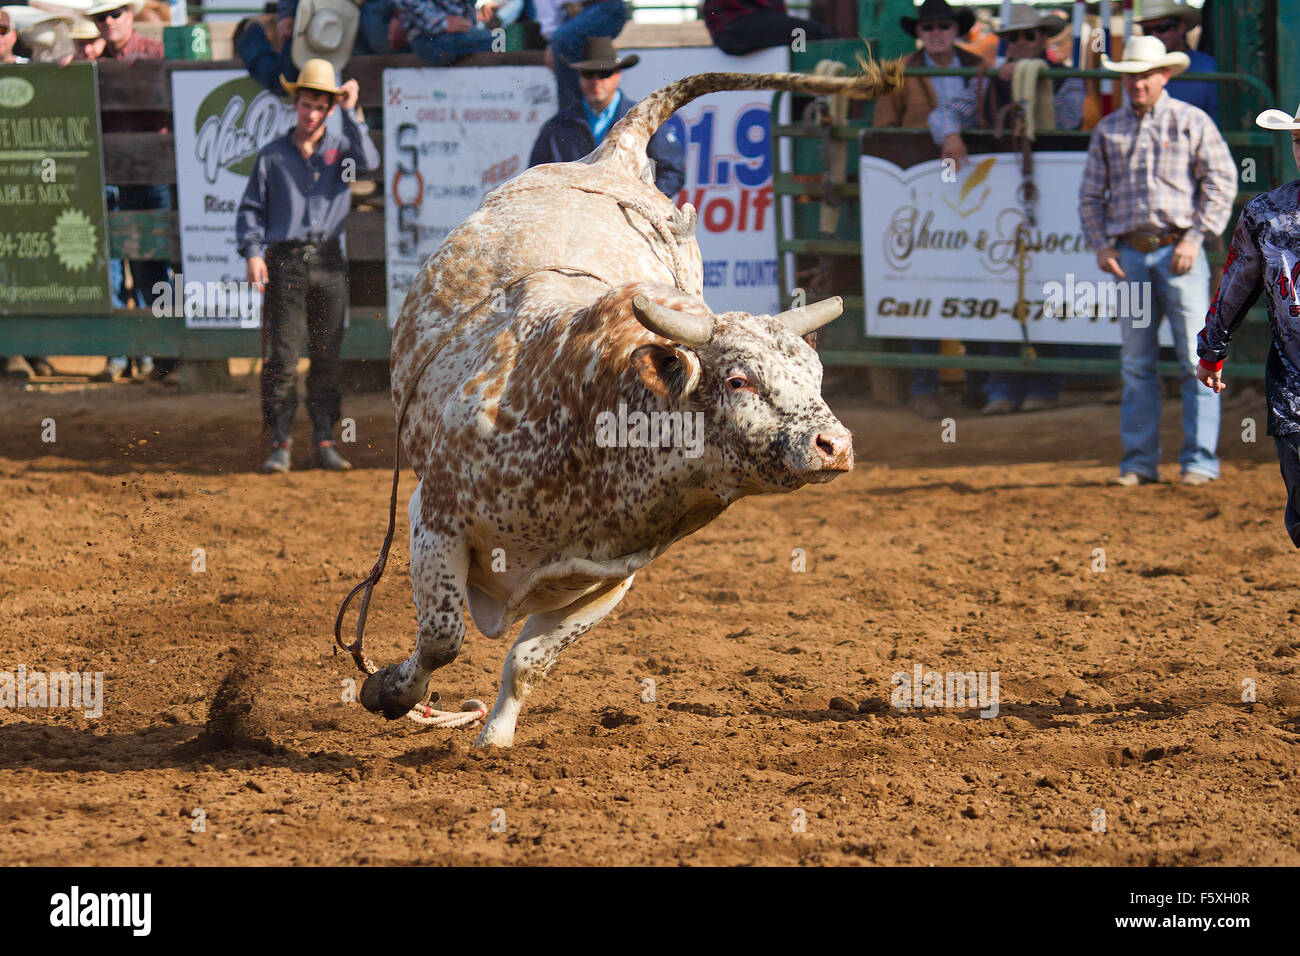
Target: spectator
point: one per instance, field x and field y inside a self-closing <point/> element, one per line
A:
<point x="1158" y="182"/>
<point x="287" y="227"/>
<point x="1026" y="34"/>
<point x="86" y="39"/>
<point x="116" y="24"/>
<point x="8" y="35"/>
<point x="572" y="135"/>
<point x="568" y="26"/>
<point x="492" y="13"/>
<point x="443" y="31"/>
<point x="1169" y="23"/>
<point x="937" y="25"/>
<point x="331" y="30"/>
<point x="1265" y="249"/>
<point x="43" y="37"/>
<point x="743" y="26"/>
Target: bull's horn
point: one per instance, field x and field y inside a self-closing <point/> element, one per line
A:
<point x="812" y="317"/>
<point x="675" y="326"/>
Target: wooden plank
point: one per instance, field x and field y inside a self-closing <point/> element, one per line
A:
<point x="139" y="159"/>
<point x="142" y="85"/>
<point x="366" y="236"/>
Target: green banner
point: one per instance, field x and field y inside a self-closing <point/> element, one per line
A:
<point x="53" y="248"/>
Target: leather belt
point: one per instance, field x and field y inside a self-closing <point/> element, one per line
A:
<point x="1151" y="241"/>
<point x="301" y="247"/>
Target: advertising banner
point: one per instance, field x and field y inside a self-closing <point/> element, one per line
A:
<point x="53" y="236"/>
<point x="940" y="258"/>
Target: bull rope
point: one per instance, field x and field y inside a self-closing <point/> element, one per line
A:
<point x="423" y="713"/>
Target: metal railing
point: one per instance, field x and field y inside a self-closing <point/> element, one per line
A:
<point x="789" y="185"/>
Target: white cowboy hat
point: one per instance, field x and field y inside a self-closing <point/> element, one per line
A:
<point x="1025" y="17"/>
<point x="1143" y="54"/>
<point x="325" y="30"/>
<point x="1278" y="119"/>
<point x="22" y="17"/>
<point x="103" y="6"/>
<point x="1164" y="9"/>
<point x="84" y="29"/>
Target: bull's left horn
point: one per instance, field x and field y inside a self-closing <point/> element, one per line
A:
<point x="675" y="326"/>
<point x="812" y="317"/>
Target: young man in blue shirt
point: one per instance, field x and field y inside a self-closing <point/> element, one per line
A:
<point x="288" y="226"/>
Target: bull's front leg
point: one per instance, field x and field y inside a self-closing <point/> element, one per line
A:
<point x="540" y="641"/>
<point x="439" y="568"/>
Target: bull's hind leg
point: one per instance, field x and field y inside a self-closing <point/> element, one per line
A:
<point x="540" y="641"/>
<point x="439" y="567"/>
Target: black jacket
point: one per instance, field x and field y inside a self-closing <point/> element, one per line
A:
<point x="566" y="137"/>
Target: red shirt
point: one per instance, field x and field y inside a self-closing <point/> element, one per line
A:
<point x="136" y="48"/>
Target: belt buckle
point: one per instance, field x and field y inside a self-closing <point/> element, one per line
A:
<point x="1146" y="242"/>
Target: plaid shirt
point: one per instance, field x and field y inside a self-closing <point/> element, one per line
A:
<point x="430" y="16"/>
<point x="963" y="109"/>
<point x="1164" y="170"/>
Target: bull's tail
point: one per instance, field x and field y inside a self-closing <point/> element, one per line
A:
<point x="634" y="130"/>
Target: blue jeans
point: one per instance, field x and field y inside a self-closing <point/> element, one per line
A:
<point x="924" y="381"/>
<point x="568" y="41"/>
<point x="443" y="49"/>
<point x="262" y="62"/>
<point x="1015" y="387"/>
<point x="145" y="273"/>
<point x="1184" y="300"/>
<point x="1288" y="456"/>
<point x="372" y="34"/>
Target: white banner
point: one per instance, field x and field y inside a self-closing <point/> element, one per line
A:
<point x="728" y="170"/>
<point x="939" y="255"/>
<point x="451" y="136"/>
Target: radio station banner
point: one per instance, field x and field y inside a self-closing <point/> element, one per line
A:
<point x="728" y="140"/>
<point x="939" y="257"/>
<point x="53" y="237"/>
<point x="451" y="136"/>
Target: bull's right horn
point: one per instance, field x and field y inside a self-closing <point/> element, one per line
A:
<point x="809" y="318"/>
<point x="675" y="326"/>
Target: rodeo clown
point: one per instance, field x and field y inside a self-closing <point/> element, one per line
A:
<point x="1265" y="258"/>
<point x="287" y="227"/>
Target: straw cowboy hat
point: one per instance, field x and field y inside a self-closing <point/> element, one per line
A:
<point x="1164" y="9"/>
<point x="1025" y="17"/>
<point x="1143" y="54"/>
<point x="83" y="29"/>
<point x="1278" y="119"/>
<point x="325" y="30"/>
<point x="939" y="10"/>
<point x="316" y="75"/>
<point x="599" y="54"/>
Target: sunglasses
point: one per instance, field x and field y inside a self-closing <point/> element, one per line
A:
<point x="1163" y="26"/>
<point x="1017" y="36"/>
<point x="108" y="15"/>
<point x="596" y="74"/>
<point x="932" y="25"/>
<point x="3" y="30"/>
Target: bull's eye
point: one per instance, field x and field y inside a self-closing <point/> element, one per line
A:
<point x="737" y="382"/>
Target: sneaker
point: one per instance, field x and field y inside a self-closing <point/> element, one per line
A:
<point x="277" y="461"/>
<point x="18" y="367"/>
<point x="1034" y="404"/>
<point x="926" y="406"/>
<point x="1195" y="478"/>
<point x="42" y="367"/>
<point x="143" y="367"/>
<point x="998" y="406"/>
<point x="327" y="457"/>
<point x="114" y="371"/>
<point x="1131" y="478"/>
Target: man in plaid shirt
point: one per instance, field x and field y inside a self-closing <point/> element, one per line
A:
<point x="443" y="31"/>
<point x="1159" y="179"/>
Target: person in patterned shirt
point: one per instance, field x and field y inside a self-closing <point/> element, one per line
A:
<point x="1265" y="260"/>
<point x="1159" y="180"/>
<point x="443" y="31"/>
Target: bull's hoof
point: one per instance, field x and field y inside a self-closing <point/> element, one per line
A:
<point x="379" y="697"/>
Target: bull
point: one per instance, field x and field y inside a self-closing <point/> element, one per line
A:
<point x="570" y="301"/>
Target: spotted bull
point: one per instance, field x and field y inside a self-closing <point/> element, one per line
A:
<point x="548" y="363"/>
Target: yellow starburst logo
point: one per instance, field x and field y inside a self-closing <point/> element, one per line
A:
<point x="74" y="240"/>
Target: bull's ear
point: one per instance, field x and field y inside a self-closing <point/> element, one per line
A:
<point x="811" y="339"/>
<point x="668" y="372"/>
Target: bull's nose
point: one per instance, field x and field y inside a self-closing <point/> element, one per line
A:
<point x="835" y="450"/>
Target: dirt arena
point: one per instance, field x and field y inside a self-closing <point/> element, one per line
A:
<point x="1120" y="689"/>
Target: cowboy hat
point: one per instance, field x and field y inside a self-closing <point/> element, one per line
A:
<point x="939" y="10"/>
<point x="316" y="75"/>
<point x="1025" y="17"/>
<point x="1278" y="119"/>
<point x="1163" y="9"/>
<point x="44" y="34"/>
<point x="83" y="29"/>
<point x="1143" y="54"/>
<point x="598" y="54"/>
<point x="103" y="6"/>
<point x="325" y="30"/>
